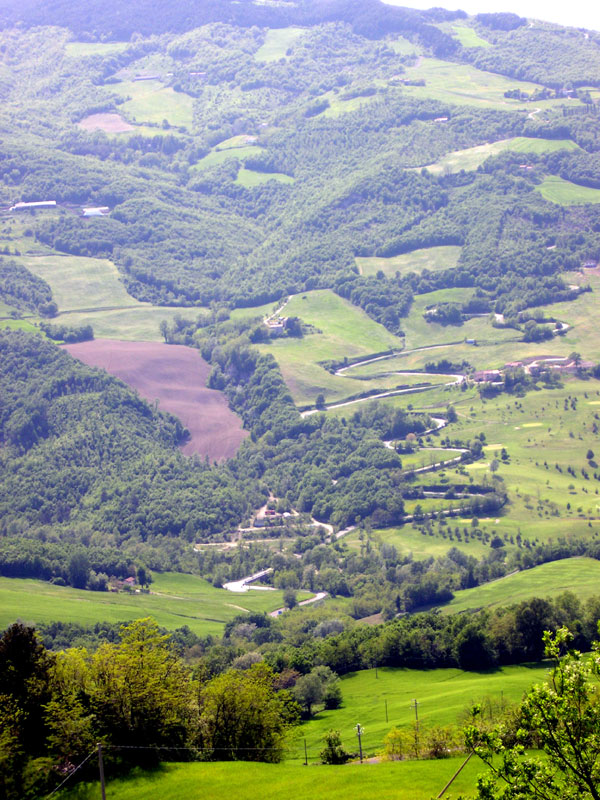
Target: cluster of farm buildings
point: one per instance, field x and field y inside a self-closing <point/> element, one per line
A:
<point x="533" y="366"/>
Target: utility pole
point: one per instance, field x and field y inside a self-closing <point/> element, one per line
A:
<point x="415" y="703"/>
<point x="359" y="733"/>
<point x="101" y="771"/>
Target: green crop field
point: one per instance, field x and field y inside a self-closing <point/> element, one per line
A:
<point x="444" y="696"/>
<point x="473" y="157"/>
<point x="419" y="780"/>
<point x="82" y="49"/>
<point x="150" y="101"/>
<point x="176" y="600"/>
<point x="345" y="330"/>
<point x="564" y="193"/>
<point x="547" y="580"/>
<point x="250" y="178"/>
<point x="467" y="85"/>
<point x="432" y="258"/>
<point x="277" y="42"/>
<point x="468" y="37"/>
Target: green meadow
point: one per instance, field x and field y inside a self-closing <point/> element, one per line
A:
<point x="407" y="540"/>
<point x="277" y="42"/>
<point x="431" y="258"/>
<point x="404" y="47"/>
<point x="467" y="85"/>
<point x="468" y="37"/>
<point x="150" y="101"/>
<point x="175" y="600"/>
<point x="250" y="178"/>
<point x="80" y="283"/>
<point x="564" y="193"/>
<point x="546" y="580"/>
<point x="473" y="157"/>
<point x="419" y="780"/>
<point x="343" y="330"/>
<point x="444" y="697"/>
<point x="83" y="49"/>
<point x="218" y="156"/>
<point x="90" y="291"/>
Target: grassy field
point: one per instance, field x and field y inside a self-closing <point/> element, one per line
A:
<point x="90" y="291"/>
<point x="467" y="85"/>
<point x="80" y="283"/>
<point x="404" y="47"/>
<point x="19" y="325"/>
<point x="473" y="157"/>
<point x="420" y="333"/>
<point x="82" y="49"/>
<point x="176" y="600"/>
<point x="409" y="540"/>
<point x="277" y="42"/>
<point x="547" y="580"/>
<point x="410" y="780"/>
<point x="216" y="157"/>
<point x="431" y="258"/>
<point x="250" y="178"/>
<point x="152" y="102"/>
<point x="468" y="37"/>
<point x="565" y="193"/>
<point x="444" y="695"/>
<point x="345" y="330"/>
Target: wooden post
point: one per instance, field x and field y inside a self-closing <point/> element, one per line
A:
<point x="386" y="712"/>
<point x="359" y="731"/>
<point x="305" y="754"/>
<point x="101" y="771"/>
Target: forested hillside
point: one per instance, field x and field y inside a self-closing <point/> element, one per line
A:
<point x="376" y="233"/>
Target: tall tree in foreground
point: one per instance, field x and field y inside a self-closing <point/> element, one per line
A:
<point x="561" y="718"/>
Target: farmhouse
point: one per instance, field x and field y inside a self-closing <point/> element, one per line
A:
<point x="276" y="325"/>
<point x="486" y="375"/>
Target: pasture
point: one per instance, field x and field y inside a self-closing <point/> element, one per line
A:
<point x="434" y="259"/>
<point x="250" y="178"/>
<point x="150" y="101"/>
<point x="467" y="85"/>
<point x="564" y="193"/>
<point x="174" y="376"/>
<point x="408" y="539"/>
<point x="83" y="49"/>
<point x="468" y="37"/>
<point x="444" y="696"/>
<point x="417" y="780"/>
<point x="546" y="580"/>
<point x="218" y="156"/>
<point x="472" y="157"/>
<point x="90" y="291"/>
<point x="343" y="330"/>
<point x="277" y="43"/>
<point x="176" y="600"/>
<point x="109" y="123"/>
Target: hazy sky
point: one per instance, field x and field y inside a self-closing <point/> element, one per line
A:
<point x="578" y="13"/>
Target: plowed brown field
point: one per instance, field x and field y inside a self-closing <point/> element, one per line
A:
<point x="174" y="375"/>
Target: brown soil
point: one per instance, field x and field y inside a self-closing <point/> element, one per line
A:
<point x="110" y="123"/>
<point x="174" y="375"/>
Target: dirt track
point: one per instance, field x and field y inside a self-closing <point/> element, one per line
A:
<point x="175" y="376"/>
